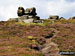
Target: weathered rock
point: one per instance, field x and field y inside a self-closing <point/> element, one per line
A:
<point x="61" y="18"/>
<point x="36" y="47"/>
<point x="22" y="18"/>
<point x="20" y="11"/>
<point x="28" y="21"/>
<point x="38" y="21"/>
<point x="54" y="17"/>
<point x="27" y="15"/>
<point x="31" y="11"/>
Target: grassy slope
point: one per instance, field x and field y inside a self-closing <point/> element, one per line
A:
<point x="14" y="37"/>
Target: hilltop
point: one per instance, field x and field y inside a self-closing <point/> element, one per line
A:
<point x="28" y="35"/>
<point x="16" y="38"/>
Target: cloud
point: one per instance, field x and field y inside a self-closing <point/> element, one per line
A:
<point x="62" y="8"/>
<point x="65" y="8"/>
<point x="70" y="0"/>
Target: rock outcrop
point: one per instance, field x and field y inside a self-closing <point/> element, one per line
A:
<point x="30" y="11"/>
<point x="54" y="17"/>
<point x="28" y="15"/>
<point x="20" y="11"/>
<point x="25" y="15"/>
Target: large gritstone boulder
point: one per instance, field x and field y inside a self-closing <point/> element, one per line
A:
<point x="54" y="17"/>
<point x="20" y="11"/>
<point x="26" y="15"/>
<point x="25" y="19"/>
<point x="31" y="11"/>
<point x="28" y="21"/>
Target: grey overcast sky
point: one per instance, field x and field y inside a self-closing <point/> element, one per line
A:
<point x="45" y="8"/>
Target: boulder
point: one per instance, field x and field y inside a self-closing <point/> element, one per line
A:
<point x="20" y="11"/>
<point x="28" y="20"/>
<point x="54" y="17"/>
<point x="36" y="47"/>
<point x="30" y="16"/>
<point x="38" y="21"/>
<point x="31" y="11"/>
<point x="61" y="18"/>
<point x="73" y="17"/>
<point x="24" y="17"/>
<point x="27" y="15"/>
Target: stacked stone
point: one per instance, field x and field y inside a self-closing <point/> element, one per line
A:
<point x="29" y="13"/>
